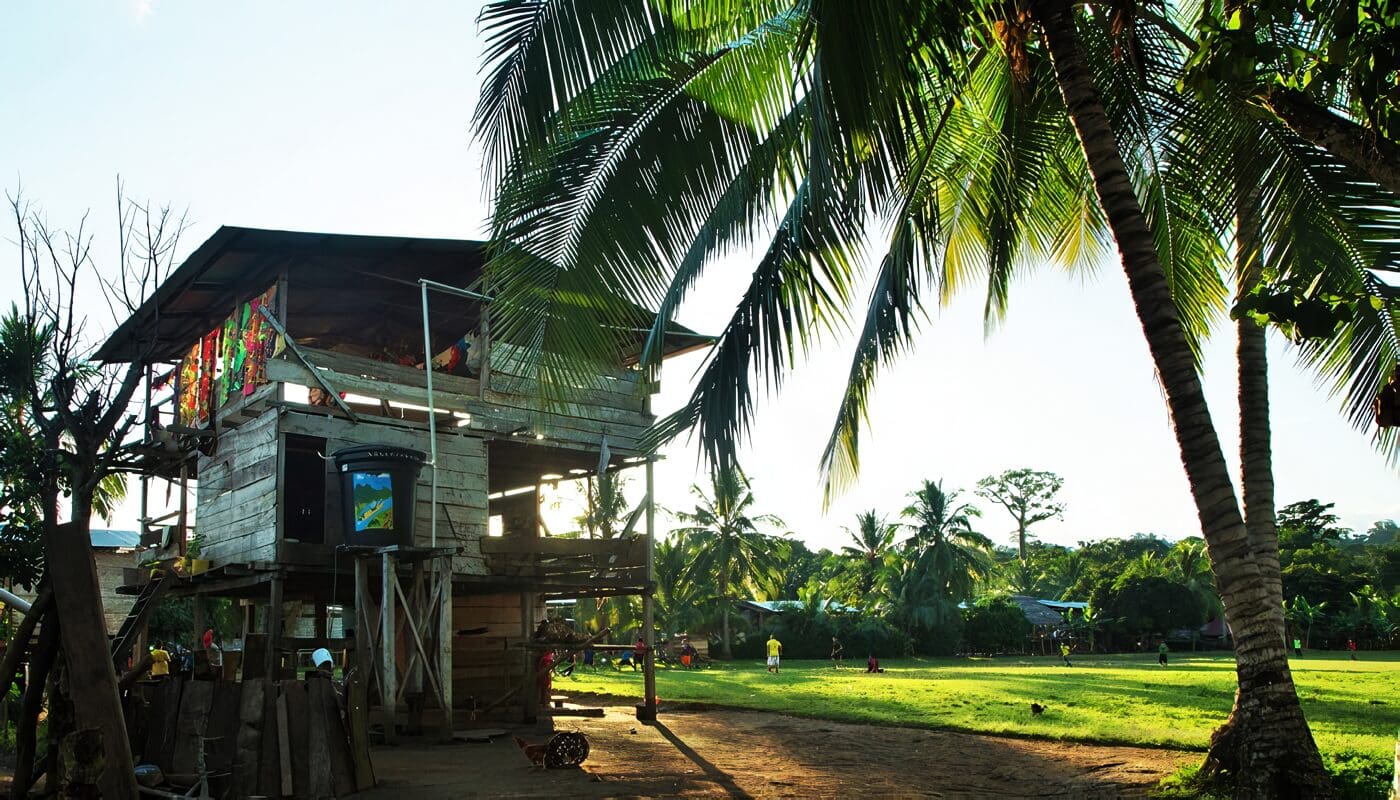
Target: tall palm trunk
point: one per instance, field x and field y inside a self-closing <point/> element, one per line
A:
<point x="725" y="602"/>
<point x="1265" y="747"/>
<point x="724" y="630"/>
<point x="1256" y="449"/>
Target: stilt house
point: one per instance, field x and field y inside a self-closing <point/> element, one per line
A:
<point x="267" y="353"/>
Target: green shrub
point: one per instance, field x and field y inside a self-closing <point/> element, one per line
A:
<point x="809" y="636"/>
<point x="1358" y="776"/>
<point x="995" y="625"/>
<point x="1355" y="776"/>
<point x="940" y="639"/>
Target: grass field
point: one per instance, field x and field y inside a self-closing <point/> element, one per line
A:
<point x="1351" y="705"/>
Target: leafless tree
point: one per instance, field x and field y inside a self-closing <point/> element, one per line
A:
<point x="83" y="416"/>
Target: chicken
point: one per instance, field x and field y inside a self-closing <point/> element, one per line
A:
<point x="1037" y="709"/>
<point x="534" y="752"/>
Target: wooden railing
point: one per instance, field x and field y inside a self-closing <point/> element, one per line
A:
<point x="618" y="410"/>
<point x="580" y="563"/>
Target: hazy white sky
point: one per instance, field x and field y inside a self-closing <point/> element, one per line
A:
<point x="354" y="117"/>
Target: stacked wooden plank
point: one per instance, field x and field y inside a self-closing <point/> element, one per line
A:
<point x="237" y="494"/>
<point x="486" y="660"/>
<point x="255" y="738"/>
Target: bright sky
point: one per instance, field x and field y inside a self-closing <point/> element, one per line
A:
<point x="354" y="117"/>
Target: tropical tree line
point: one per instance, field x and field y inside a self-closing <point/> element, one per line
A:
<point x="929" y="579"/>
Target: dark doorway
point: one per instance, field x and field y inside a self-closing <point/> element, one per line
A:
<point x="304" y="490"/>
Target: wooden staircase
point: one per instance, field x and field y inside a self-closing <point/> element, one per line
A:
<point x="136" y="619"/>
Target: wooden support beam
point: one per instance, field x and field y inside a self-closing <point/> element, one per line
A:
<point x="296" y="351"/>
<point x="648" y="709"/>
<point x="273" y="658"/>
<point x="444" y="642"/>
<point x="388" y="655"/>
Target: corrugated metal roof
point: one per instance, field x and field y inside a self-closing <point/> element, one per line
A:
<point x="103" y="537"/>
<point x="775" y="606"/>
<point x="341" y="286"/>
<point x="1062" y="605"/>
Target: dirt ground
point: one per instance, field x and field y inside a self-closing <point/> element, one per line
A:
<point x="698" y="752"/>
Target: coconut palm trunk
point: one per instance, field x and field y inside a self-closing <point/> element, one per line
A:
<point x="1265" y="746"/>
<point x="1256" y="448"/>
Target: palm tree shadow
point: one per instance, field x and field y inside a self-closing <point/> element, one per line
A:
<point x="714" y="773"/>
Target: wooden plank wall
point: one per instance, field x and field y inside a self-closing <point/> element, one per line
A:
<point x="462" y="479"/>
<point x="615" y="406"/>
<point x="236" y="725"/>
<point x="486" y="666"/>
<point x="236" y="498"/>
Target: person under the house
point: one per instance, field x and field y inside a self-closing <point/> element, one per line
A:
<point x="213" y="655"/>
<point x="544" y="676"/>
<point x="160" y="661"/>
<point x="323" y="662"/>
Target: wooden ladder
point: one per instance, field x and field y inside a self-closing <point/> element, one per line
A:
<point x="136" y="618"/>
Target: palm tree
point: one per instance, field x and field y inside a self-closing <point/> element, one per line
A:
<point x="872" y="540"/>
<point x="679" y="601"/>
<point x="804" y="122"/>
<point x="607" y="511"/>
<point x="944" y="547"/>
<point x="1305" y="615"/>
<point x="731" y="552"/>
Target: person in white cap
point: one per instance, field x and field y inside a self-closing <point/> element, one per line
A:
<point x="321" y="657"/>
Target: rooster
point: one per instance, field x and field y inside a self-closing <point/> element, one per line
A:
<point x="534" y="752"/>
<point x="1037" y="709"/>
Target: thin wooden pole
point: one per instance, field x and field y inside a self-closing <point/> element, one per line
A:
<point x="649" y="603"/>
<point x="273" y="658"/>
<point x="388" y="654"/>
<point x="444" y="637"/>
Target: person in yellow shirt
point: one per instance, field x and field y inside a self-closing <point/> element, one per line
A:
<point x="775" y="651"/>
<point x="160" y="661"/>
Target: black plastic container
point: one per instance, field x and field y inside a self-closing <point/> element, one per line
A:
<point x="378" y="490"/>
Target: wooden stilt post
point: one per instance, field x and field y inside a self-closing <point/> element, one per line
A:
<point x="532" y="689"/>
<point x="444" y="642"/>
<point x="648" y="709"/>
<point x="273" y="657"/>
<point x="388" y="653"/>
<point x="197" y="603"/>
<point x="414" y="618"/>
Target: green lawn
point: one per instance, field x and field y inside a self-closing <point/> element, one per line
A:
<point x="1351" y="705"/>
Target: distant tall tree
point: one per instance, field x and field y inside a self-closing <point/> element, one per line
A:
<point x="1384" y="531"/>
<point x="731" y="552"/>
<point x="1308" y="522"/>
<point x="1027" y="495"/>
<point x="944" y="545"/>
<point x="872" y="540"/>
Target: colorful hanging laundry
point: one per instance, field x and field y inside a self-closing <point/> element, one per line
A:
<point x="208" y="369"/>
<point x="189" y="387"/>
<point x="259" y="340"/>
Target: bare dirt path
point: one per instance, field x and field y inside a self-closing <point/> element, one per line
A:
<point x="721" y="752"/>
